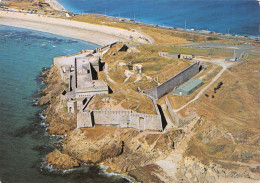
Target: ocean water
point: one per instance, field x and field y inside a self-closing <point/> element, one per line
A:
<point x="23" y="141"/>
<point x="241" y="17"/>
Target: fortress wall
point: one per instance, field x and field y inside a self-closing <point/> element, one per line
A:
<point x="84" y="119"/>
<point x="126" y="119"/>
<point x="173" y="115"/>
<point x="173" y="82"/>
<point x="111" y="117"/>
<point x="177" y="119"/>
<point x="152" y="92"/>
<point x="146" y="122"/>
<point x="153" y="122"/>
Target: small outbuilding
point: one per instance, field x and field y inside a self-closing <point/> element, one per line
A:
<point x="188" y="87"/>
<point x="185" y="56"/>
<point x="171" y="55"/>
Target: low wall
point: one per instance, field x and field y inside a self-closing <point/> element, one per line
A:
<point x="177" y="119"/>
<point x="173" y="82"/>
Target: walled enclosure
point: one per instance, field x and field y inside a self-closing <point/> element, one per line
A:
<point x="124" y="118"/>
<point x="80" y="71"/>
<point x="173" y="82"/>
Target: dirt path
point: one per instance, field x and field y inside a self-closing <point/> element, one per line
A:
<point x="170" y="165"/>
<point x="107" y="75"/>
<point x="220" y="62"/>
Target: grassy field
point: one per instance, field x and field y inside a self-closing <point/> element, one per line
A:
<point x="193" y="51"/>
<point x="179" y="101"/>
<point x="155" y="70"/>
<point x="230" y="130"/>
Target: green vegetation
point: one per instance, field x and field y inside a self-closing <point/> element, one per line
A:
<point x="193" y="51"/>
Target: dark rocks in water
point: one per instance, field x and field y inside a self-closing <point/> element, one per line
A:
<point x="36" y="94"/>
<point x="35" y="101"/>
<point x="43" y="149"/>
<point x="45" y="69"/>
<point x="22" y="131"/>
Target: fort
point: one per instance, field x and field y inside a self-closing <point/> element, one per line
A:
<point x="80" y="71"/>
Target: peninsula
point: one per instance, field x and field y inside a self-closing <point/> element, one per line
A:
<point x="155" y="104"/>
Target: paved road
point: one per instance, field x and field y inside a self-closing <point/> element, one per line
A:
<point x="238" y="49"/>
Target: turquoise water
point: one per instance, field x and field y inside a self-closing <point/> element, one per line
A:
<point x="23" y="141"/>
<point x="241" y="17"/>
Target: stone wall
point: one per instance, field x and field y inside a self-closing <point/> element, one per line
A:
<point x="124" y="118"/>
<point x="177" y="119"/>
<point x="84" y="119"/>
<point x="173" y="82"/>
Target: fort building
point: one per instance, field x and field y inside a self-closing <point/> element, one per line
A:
<point x="176" y="55"/>
<point x="81" y="72"/>
<point x="188" y="87"/>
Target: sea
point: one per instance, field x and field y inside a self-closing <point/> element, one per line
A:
<point x="23" y="140"/>
<point x="236" y="17"/>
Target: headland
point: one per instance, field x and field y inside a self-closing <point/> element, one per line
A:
<point x="98" y="98"/>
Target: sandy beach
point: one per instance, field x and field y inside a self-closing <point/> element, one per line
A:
<point x="98" y="34"/>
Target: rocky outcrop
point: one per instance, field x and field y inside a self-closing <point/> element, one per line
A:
<point x="60" y="122"/>
<point x="54" y="88"/>
<point x="59" y="160"/>
<point x="92" y="150"/>
<point x="193" y="170"/>
<point x="121" y="150"/>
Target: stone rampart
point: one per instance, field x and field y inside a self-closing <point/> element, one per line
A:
<point x="124" y="118"/>
<point x="173" y="82"/>
<point x="84" y="119"/>
<point x="107" y="117"/>
<point x="177" y="119"/>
